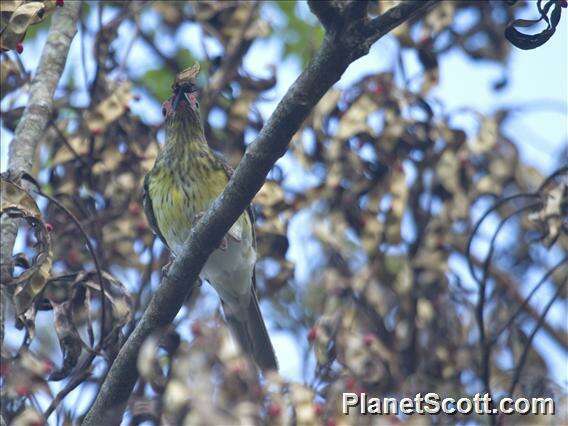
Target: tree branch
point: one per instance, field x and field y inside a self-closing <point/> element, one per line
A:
<point x="38" y="111"/>
<point x="325" y="68"/>
<point x="327" y="13"/>
<point x="381" y="25"/>
<point x="35" y="118"/>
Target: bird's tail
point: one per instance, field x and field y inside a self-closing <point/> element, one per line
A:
<point x="250" y="330"/>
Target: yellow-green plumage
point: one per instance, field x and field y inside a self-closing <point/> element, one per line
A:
<point x="185" y="180"/>
<point x="187" y="177"/>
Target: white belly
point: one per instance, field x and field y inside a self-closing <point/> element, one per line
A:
<point x="230" y="270"/>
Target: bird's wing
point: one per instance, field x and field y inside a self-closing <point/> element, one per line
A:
<point x="149" y="210"/>
<point x="221" y="162"/>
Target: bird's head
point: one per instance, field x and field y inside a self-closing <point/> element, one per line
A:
<point x="183" y="103"/>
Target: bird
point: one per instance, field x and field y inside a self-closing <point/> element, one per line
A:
<point x="186" y="178"/>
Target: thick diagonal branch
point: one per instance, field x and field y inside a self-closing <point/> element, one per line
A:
<point x="330" y="61"/>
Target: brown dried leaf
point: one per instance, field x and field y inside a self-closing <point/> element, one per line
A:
<point x="148" y="363"/>
<point x="79" y="144"/>
<point x="109" y="109"/>
<point x="22" y="16"/>
<point x="447" y="170"/>
<point x="14" y="196"/>
<point x="302" y="400"/>
<point x="399" y="193"/>
<point x="239" y="111"/>
<point x="115" y="293"/>
<point x="354" y="121"/>
<point x="28" y="417"/>
<point x="324" y="107"/>
<point x="270" y="195"/>
<point x="9" y="76"/>
<point x="552" y="217"/>
<point x="187" y="76"/>
<point x="69" y="340"/>
<point x="487" y="136"/>
<point x="17" y="203"/>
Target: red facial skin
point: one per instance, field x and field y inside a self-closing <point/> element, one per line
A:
<point x="187" y="102"/>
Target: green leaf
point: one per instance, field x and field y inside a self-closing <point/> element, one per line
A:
<point x="159" y="82"/>
<point x="300" y="36"/>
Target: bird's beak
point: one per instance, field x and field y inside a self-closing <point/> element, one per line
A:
<point x="177" y="98"/>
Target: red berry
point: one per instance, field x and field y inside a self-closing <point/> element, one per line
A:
<point x="337" y="292"/>
<point x="47" y="367"/>
<point x="59" y="3"/>
<point x="196" y="328"/>
<point x="134" y="208"/>
<point x="19" y="47"/>
<point x="97" y="131"/>
<point x="49" y="227"/>
<point x="256" y="391"/>
<point x="4" y="369"/>
<point x="350" y="383"/>
<point x="141" y="226"/>
<point x="318" y="409"/>
<point x="73" y="257"/>
<point x="22" y="390"/>
<point x="425" y="40"/>
<point x="330" y="422"/>
<point x="274" y="410"/>
<point x="312" y="334"/>
<point x="237" y="369"/>
<point x="368" y="339"/>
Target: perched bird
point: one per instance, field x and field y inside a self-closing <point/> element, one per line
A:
<point x="187" y="177"/>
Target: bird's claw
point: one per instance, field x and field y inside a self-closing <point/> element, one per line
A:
<point x="197" y="216"/>
<point x="166" y="267"/>
<point x="224" y="244"/>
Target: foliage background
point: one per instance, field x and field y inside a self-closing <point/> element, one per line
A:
<point x="362" y="226"/>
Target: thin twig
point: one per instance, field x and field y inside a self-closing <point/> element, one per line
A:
<point x="232" y="59"/>
<point x="73" y="383"/>
<point x="523" y="305"/>
<point x="480" y="222"/>
<point x="53" y="125"/>
<point x="528" y="345"/>
<point x="90" y="248"/>
<point x="504" y="280"/>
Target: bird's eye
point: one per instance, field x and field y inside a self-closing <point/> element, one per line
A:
<point x="164" y="111"/>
